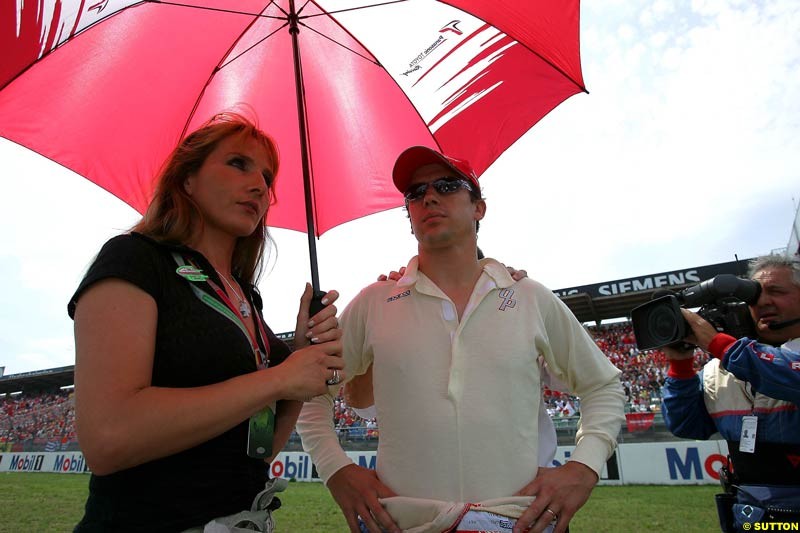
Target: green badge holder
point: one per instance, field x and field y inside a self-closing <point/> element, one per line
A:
<point x="260" y="432"/>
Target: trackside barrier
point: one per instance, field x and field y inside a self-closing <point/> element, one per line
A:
<point x="652" y="463"/>
<point x="61" y="462"/>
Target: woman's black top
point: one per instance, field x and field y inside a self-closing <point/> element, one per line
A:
<point x="195" y="346"/>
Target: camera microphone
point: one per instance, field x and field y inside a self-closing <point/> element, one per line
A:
<point x="785" y="324"/>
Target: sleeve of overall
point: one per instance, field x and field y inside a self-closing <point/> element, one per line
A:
<point x="774" y="372"/>
<point x="315" y="424"/>
<point x="684" y="408"/>
<point x="577" y="361"/>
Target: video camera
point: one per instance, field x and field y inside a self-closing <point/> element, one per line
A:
<point x="724" y="301"/>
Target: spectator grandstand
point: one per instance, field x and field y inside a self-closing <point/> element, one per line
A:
<point x="45" y="420"/>
<point x="37" y="414"/>
<point x="37" y="421"/>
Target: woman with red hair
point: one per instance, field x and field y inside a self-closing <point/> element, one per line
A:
<point x="183" y="393"/>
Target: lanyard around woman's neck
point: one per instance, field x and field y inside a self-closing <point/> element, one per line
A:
<point x="197" y="275"/>
<point x="262" y="359"/>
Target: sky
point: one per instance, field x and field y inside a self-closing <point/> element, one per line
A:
<point x="685" y="152"/>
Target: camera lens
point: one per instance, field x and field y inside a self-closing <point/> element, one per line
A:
<point x="662" y="325"/>
<point x="658" y="322"/>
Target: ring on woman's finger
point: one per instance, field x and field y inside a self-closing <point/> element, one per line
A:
<point x="336" y="379"/>
<point x="555" y="516"/>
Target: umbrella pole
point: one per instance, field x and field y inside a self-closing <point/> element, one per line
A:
<point x="301" y="120"/>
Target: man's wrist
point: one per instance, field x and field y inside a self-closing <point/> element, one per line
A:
<point x="681" y="368"/>
<point x="586" y="472"/>
<point x="592" y="451"/>
<point x="720" y="344"/>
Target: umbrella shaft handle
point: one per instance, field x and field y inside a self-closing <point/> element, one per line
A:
<point x="316" y="303"/>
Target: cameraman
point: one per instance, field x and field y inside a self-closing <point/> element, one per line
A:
<point x="749" y="393"/>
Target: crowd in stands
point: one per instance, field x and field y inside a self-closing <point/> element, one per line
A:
<point x="49" y="418"/>
<point x="350" y="425"/>
<point x="643" y="374"/>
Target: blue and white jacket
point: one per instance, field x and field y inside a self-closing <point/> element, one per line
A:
<point x="745" y="378"/>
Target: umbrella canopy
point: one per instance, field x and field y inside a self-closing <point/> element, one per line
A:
<point x="107" y="88"/>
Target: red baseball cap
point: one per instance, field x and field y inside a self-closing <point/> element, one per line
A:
<point x="418" y="156"/>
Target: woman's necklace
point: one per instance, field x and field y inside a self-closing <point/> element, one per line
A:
<point x="244" y="307"/>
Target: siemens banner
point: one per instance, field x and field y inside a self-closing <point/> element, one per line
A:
<point x="663" y="280"/>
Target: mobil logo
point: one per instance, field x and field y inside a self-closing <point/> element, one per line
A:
<point x="294" y="466"/>
<point x="73" y="462"/>
<point x="367" y="460"/>
<point x="26" y="463"/>
<point x="691" y="467"/>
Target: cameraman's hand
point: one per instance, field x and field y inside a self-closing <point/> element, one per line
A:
<point x="678" y="353"/>
<point x="702" y="330"/>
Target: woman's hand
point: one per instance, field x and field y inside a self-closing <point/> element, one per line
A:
<point x="319" y="328"/>
<point x="303" y="374"/>
<point x="318" y="350"/>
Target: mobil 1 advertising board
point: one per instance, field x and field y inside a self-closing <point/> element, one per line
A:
<point x="60" y="462"/>
<point x="682" y="462"/>
<point x="685" y="462"/>
<point x="672" y="463"/>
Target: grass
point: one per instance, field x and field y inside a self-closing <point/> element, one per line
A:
<point x="41" y="502"/>
<point x="683" y="509"/>
<point x="54" y="503"/>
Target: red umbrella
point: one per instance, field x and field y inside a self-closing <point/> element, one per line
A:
<point x="107" y="87"/>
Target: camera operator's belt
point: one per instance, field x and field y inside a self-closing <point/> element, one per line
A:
<point x="770" y="464"/>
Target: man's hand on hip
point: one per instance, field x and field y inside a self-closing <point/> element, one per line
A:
<point x="559" y="493"/>
<point x="356" y="490"/>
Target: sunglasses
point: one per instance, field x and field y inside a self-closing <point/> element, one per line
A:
<point x="444" y="185"/>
